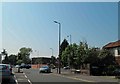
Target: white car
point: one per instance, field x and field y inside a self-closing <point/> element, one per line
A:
<point x="17" y="66"/>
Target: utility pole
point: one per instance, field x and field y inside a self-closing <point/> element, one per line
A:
<point x="70" y="51"/>
<point x="59" y="59"/>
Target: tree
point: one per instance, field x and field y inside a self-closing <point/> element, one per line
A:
<point x="73" y="55"/>
<point x="82" y="53"/>
<point x="19" y="62"/>
<point x="106" y="58"/>
<point x="6" y="60"/>
<point x="24" y="55"/>
<point x="70" y="55"/>
<point x="92" y="56"/>
<point x="65" y="55"/>
<point x="63" y="45"/>
<point x="12" y="59"/>
<point x="53" y="60"/>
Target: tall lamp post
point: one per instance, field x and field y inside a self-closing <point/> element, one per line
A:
<point x="70" y="38"/>
<point x="59" y="59"/>
<point x="52" y="51"/>
<point x="70" y="51"/>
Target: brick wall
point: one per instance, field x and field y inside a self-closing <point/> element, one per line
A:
<point x="36" y="66"/>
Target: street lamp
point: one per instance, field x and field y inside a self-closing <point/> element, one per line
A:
<point x="70" y="38"/>
<point x="52" y="51"/>
<point x="70" y="51"/>
<point x="59" y="59"/>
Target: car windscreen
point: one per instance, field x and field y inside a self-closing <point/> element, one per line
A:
<point x="2" y="67"/>
<point x="44" y="67"/>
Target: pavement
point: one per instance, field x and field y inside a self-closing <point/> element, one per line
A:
<point x="87" y="78"/>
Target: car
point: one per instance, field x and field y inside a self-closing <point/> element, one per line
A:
<point x="45" y="68"/>
<point x="116" y="72"/>
<point x="17" y="66"/>
<point x="67" y="67"/>
<point x="5" y="73"/>
<point x="27" y="66"/>
<point x="10" y="68"/>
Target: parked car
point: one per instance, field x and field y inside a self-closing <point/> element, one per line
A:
<point x="17" y="66"/>
<point x="67" y="67"/>
<point x="5" y="72"/>
<point x="116" y="72"/>
<point x="10" y="68"/>
<point x="27" y="66"/>
<point x="45" y="69"/>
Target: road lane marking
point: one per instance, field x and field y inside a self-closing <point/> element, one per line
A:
<point x="29" y="81"/>
<point x="73" y="78"/>
<point x="16" y="79"/>
<point x="27" y="78"/>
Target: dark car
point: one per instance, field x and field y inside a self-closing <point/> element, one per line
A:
<point x="27" y="66"/>
<point x="45" y="69"/>
<point x="116" y="72"/>
<point x="10" y="68"/>
<point x="5" y="72"/>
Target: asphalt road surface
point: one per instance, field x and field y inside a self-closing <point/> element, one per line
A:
<point x="32" y="76"/>
<point x="35" y="76"/>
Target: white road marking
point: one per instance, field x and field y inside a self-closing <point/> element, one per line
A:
<point x="16" y="79"/>
<point x="29" y="81"/>
<point x="27" y="78"/>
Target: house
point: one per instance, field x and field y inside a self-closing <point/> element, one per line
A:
<point x="114" y="48"/>
<point x="37" y="61"/>
<point x="41" y="60"/>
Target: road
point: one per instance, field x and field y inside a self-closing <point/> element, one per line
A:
<point x="32" y="76"/>
<point x="35" y="76"/>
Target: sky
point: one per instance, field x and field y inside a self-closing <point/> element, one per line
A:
<point x="30" y="24"/>
<point x="59" y="0"/>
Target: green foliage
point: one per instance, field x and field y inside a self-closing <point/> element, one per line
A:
<point x="12" y="59"/>
<point x="106" y="58"/>
<point x="53" y="60"/>
<point x="24" y="55"/>
<point x="92" y="56"/>
<point x="19" y="62"/>
<point x="63" y="45"/>
<point x="80" y="54"/>
<point x="6" y="60"/>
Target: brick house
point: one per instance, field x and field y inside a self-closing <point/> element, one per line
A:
<point x="41" y="60"/>
<point x="37" y="62"/>
<point x="114" y="48"/>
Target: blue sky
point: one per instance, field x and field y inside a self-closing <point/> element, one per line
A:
<point x="31" y="24"/>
